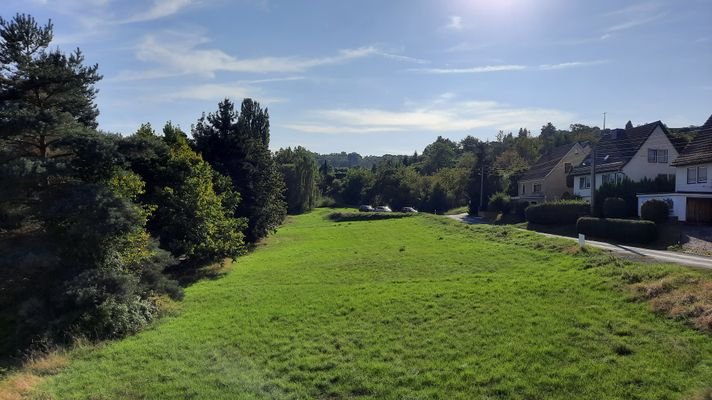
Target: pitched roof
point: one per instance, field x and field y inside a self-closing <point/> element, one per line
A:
<point x="615" y="150"/>
<point x="699" y="150"/>
<point x="547" y="162"/>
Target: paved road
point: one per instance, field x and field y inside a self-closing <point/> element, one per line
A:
<point x="658" y="255"/>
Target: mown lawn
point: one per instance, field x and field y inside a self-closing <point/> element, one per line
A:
<point x="413" y="308"/>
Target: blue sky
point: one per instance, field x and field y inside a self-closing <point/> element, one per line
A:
<point x="390" y="76"/>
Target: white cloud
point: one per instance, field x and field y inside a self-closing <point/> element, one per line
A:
<point x="572" y="64"/>
<point x="218" y="91"/>
<point x="442" y="115"/>
<point x="470" y="70"/>
<point x="455" y="23"/>
<point x="159" y="9"/>
<point x="507" y="67"/>
<point x="467" y="47"/>
<point x="177" y="54"/>
<point x="632" y="17"/>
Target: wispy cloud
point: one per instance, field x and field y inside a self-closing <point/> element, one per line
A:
<point x="470" y="70"/>
<point x="446" y="114"/>
<point x="507" y="67"/>
<point x="455" y="23"/>
<point x="466" y="47"/>
<point x="632" y="17"/>
<point x="572" y="64"/>
<point x="159" y="9"/>
<point x="178" y="54"/>
<point x="217" y="91"/>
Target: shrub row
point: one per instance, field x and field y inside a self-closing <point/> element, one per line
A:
<point x="557" y="213"/>
<point x="615" y="207"/>
<point x="655" y="210"/>
<point x="361" y="216"/>
<point x="620" y="230"/>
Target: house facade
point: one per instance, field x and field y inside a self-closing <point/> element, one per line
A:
<point x="646" y="151"/>
<point x="546" y="179"/>
<point x="692" y="200"/>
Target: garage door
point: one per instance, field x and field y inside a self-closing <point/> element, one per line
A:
<point x="699" y="211"/>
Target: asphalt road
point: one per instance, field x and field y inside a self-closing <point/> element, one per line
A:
<point x="638" y="252"/>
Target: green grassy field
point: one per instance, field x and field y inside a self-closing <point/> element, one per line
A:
<point x="413" y="308"/>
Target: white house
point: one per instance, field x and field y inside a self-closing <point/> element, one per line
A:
<point x="646" y="151"/>
<point x="546" y="179"/>
<point x="692" y="200"/>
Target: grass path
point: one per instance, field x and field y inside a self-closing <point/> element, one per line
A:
<point x="416" y="308"/>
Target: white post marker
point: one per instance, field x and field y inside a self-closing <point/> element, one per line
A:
<point x="582" y="240"/>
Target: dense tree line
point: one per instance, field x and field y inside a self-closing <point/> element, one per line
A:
<point x="449" y="174"/>
<point x="95" y="227"/>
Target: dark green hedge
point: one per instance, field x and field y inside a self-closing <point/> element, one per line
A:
<point x="557" y="213"/>
<point x="619" y="230"/>
<point x="366" y="216"/>
<point x="615" y="207"/>
<point x="655" y="210"/>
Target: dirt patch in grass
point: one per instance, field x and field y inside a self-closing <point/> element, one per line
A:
<point x="21" y="385"/>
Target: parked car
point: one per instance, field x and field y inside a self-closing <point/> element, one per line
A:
<point x="383" y="209"/>
<point x="409" y="210"/>
<point x="366" y="208"/>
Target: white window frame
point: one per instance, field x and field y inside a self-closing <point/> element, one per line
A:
<point x="661" y="159"/>
<point x="585" y="182"/>
<point x="534" y="187"/>
<point x="524" y="188"/>
<point x="692" y="170"/>
<point x="699" y="176"/>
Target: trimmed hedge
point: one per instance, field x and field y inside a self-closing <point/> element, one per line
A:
<point x="557" y="213"/>
<point x="619" y="230"/>
<point x="615" y="207"/>
<point x="500" y="202"/>
<point x="368" y="216"/>
<point x="655" y="210"/>
<point x="520" y="208"/>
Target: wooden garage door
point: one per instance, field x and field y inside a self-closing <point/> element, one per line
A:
<point x="699" y="210"/>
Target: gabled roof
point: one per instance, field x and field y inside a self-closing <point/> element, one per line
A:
<point x="613" y="152"/>
<point x="547" y="162"/>
<point x="699" y="150"/>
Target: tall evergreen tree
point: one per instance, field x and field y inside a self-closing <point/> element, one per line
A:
<point x="44" y="95"/>
<point x="237" y="145"/>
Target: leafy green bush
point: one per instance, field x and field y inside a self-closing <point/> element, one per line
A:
<point x="520" y="208"/>
<point x="620" y="230"/>
<point x="655" y="210"/>
<point x="557" y="213"/>
<point x="500" y="202"/>
<point x="361" y="216"/>
<point x="615" y="207"/>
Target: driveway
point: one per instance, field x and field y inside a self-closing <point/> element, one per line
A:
<point x="630" y="251"/>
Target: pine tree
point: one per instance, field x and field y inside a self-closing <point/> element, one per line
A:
<point x="44" y="95"/>
<point x="237" y="145"/>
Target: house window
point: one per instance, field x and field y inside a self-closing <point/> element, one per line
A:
<point x="568" y="167"/>
<point x="657" y="156"/>
<point x="701" y="174"/>
<point x="537" y="188"/>
<point x="692" y="175"/>
<point x="524" y="189"/>
<point x="585" y="182"/>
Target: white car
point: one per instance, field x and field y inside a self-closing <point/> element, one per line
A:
<point x="382" y="209"/>
<point x="409" y="210"/>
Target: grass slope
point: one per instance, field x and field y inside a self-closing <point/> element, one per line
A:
<point x="409" y="308"/>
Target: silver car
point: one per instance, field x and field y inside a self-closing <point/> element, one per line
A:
<point x="383" y="209"/>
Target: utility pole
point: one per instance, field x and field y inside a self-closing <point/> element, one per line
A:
<point x="482" y="185"/>
<point x="593" y="171"/>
